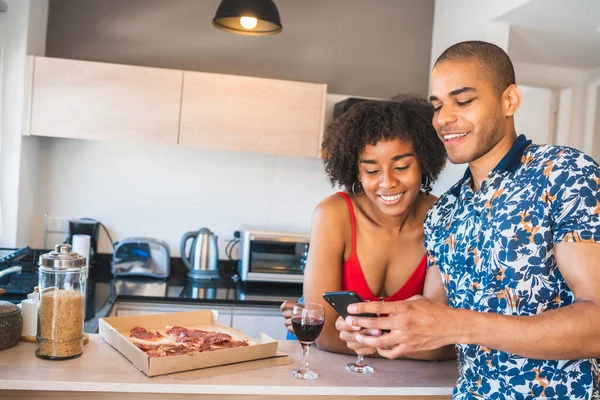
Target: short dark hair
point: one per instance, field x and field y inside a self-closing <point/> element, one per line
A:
<point x="369" y="122"/>
<point x="494" y="61"/>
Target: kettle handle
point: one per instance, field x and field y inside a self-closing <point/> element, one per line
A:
<point x="186" y="259"/>
<point x="214" y="249"/>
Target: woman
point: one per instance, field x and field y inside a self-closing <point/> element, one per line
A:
<point x="369" y="238"/>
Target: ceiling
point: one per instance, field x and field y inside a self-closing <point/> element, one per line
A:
<point x="563" y="33"/>
<point x="356" y="48"/>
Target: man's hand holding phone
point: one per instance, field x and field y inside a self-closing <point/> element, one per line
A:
<point x="340" y="302"/>
<point x="417" y="325"/>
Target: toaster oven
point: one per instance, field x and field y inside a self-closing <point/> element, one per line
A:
<point x="271" y="256"/>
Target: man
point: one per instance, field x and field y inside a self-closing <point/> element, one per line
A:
<point x="514" y="245"/>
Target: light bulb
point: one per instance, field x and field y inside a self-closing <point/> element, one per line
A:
<point x="248" y="22"/>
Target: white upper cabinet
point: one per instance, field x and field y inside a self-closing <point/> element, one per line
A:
<point x="252" y="114"/>
<point x="91" y="100"/>
<point x="100" y="101"/>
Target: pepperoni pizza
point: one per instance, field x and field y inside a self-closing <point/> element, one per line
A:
<point x="180" y="340"/>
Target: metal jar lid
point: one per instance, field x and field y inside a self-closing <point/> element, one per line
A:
<point x="62" y="257"/>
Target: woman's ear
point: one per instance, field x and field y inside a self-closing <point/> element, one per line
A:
<point x="511" y="100"/>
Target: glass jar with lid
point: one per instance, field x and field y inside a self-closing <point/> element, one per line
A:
<point x="62" y="280"/>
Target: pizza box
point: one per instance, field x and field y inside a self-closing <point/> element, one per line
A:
<point x="115" y="331"/>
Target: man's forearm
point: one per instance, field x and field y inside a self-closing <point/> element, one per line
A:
<point x="443" y="353"/>
<point x="567" y="333"/>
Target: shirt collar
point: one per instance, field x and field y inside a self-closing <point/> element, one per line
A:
<point x="509" y="162"/>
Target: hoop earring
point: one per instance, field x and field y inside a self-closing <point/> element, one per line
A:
<point x="353" y="190"/>
<point x="425" y="188"/>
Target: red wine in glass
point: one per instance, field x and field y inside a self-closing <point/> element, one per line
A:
<point x="307" y="331"/>
<point x="307" y="322"/>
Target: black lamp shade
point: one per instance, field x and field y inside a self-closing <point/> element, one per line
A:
<point x="230" y="12"/>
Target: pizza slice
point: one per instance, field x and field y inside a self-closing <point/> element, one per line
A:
<point x="163" y="350"/>
<point x="229" y="344"/>
<point x="180" y="340"/>
<point x="139" y="335"/>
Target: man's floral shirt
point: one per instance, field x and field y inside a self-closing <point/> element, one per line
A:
<point x="495" y="252"/>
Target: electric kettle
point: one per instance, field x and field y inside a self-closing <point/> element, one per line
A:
<point x="202" y="257"/>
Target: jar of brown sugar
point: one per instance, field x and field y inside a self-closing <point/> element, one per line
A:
<point x="61" y="307"/>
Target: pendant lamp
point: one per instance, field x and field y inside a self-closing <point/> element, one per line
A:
<point x="248" y="17"/>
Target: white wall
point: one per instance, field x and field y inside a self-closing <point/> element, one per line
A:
<point x="162" y="192"/>
<point x="534" y="117"/>
<point x="592" y="115"/>
<point x="459" y="20"/>
<point x="16" y="37"/>
<point x="563" y="125"/>
<point x="28" y="218"/>
<point x="561" y="78"/>
<point x="596" y="129"/>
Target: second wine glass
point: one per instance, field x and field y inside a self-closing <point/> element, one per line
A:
<point x="359" y="366"/>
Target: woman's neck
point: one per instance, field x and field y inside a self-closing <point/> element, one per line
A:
<point x="378" y="218"/>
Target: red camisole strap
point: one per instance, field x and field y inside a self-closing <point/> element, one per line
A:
<point x="354" y="279"/>
<point x="352" y="221"/>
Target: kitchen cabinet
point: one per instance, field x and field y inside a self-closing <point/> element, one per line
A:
<point x="100" y="101"/>
<point x="254" y="320"/>
<point x="252" y="114"/>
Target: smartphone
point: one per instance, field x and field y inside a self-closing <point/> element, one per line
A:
<point x="341" y="300"/>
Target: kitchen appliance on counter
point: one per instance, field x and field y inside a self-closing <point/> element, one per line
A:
<point x="272" y="256"/>
<point x="141" y="256"/>
<point x="202" y="258"/>
<point x="85" y="226"/>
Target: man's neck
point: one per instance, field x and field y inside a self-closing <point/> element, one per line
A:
<point x="481" y="167"/>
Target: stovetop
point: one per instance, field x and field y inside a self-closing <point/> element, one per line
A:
<point x="18" y="284"/>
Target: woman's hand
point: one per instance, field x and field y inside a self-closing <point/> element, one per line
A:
<point x="348" y="335"/>
<point x="286" y="309"/>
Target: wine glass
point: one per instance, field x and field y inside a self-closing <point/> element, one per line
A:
<point x="307" y="321"/>
<point x="359" y="366"/>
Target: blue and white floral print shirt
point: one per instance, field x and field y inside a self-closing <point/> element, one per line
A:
<point x="495" y="252"/>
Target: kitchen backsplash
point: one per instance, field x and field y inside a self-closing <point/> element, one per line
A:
<point x="162" y="192"/>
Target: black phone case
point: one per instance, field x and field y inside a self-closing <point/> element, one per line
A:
<point x="341" y="300"/>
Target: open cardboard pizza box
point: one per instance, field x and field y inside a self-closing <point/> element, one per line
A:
<point x="115" y="331"/>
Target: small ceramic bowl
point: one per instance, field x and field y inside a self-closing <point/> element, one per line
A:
<point x="11" y="325"/>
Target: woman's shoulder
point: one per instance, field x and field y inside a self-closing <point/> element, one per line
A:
<point x="333" y="207"/>
<point x="331" y="217"/>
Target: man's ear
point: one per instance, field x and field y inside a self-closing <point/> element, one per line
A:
<point x="511" y="100"/>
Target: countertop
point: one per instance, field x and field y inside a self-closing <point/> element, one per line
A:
<point x="102" y="369"/>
